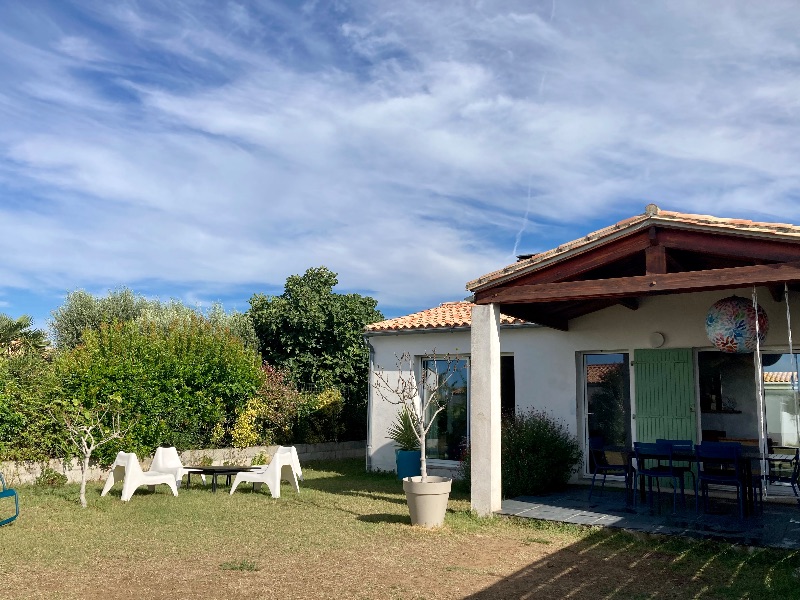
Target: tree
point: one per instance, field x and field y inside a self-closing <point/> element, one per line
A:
<point x="90" y="427"/>
<point x="421" y="400"/>
<point x="17" y="335"/>
<point x="316" y="334"/>
<point x="184" y="383"/>
<point x="82" y="311"/>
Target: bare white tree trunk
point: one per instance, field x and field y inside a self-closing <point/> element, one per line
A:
<point x="83" y="437"/>
<point x="84" y="471"/>
<point x="423" y="461"/>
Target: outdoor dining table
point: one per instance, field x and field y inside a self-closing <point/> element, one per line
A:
<point x="214" y="471"/>
<point x="750" y="456"/>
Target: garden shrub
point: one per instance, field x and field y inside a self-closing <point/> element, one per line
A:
<point x="539" y="455"/>
<point x="28" y="431"/>
<point x="50" y="477"/>
<point x="179" y="385"/>
<point x="269" y="416"/>
<point x="82" y="311"/>
<point x="320" y="417"/>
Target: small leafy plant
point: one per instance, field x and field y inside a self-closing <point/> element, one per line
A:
<point x="403" y="430"/>
<point x="239" y="565"/>
<point x="262" y="458"/>
<point x="51" y="477"/>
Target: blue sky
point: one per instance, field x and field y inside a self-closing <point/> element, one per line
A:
<point x="205" y="151"/>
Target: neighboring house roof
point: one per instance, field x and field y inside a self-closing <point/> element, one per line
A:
<point x="653" y="216"/>
<point x="448" y="315"/>
<point x="779" y="376"/>
<point x="598" y="373"/>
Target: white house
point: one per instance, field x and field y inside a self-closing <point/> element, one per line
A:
<point x="443" y="330"/>
<point x="619" y="349"/>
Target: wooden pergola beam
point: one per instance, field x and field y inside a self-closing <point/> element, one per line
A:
<point x="643" y="285"/>
<point x="655" y="259"/>
<point x="580" y="264"/>
<point x="728" y="245"/>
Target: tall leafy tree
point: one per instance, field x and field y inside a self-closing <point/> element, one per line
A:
<point x="316" y="334"/>
<point x="83" y="312"/>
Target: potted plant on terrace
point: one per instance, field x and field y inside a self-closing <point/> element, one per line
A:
<point x="403" y="433"/>
<point x="422" y="399"/>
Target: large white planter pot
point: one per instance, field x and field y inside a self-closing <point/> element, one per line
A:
<point x="427" y="502"/>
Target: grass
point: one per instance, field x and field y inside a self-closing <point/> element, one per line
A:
<point x="239" y="565"/>
<point x="347" y="535"/>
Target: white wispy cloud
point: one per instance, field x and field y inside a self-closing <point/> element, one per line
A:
<point x="411" y="146"/>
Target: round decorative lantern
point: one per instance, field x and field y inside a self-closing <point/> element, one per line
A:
<point x="731" y="325"/>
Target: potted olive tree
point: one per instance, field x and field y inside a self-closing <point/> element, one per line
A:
<point x="422" y="399"/>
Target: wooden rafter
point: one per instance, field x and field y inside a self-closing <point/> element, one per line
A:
<point x="728" y="245"/>
<point x="656" y="259"/>
<point x="582" y="263"/>
<point x="622" y="287"/>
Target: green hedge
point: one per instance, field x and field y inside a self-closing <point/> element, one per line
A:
<point x="539" y="455"/>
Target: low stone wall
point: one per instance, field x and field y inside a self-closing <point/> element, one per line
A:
<point x="17" y="473"/>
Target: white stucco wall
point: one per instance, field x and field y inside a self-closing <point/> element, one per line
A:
<point x="545" y="360"/>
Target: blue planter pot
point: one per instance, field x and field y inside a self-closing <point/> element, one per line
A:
<point x="407" y="463"/>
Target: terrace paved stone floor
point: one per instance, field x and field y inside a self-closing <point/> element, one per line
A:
<point x="777" y="526"/>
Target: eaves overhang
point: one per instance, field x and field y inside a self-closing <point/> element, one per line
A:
<point x="653" y="217"/>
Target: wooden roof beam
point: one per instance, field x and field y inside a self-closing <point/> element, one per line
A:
<point x="655" y="259"/>
<point x="729" y="245"/>
<point x="527" y="312"/>
<point x="588" y="261"/>
<point x="643" y="285"/>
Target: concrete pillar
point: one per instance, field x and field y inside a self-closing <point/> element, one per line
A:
<point x="485" y="409"/>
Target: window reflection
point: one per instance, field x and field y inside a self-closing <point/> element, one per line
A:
<point x="447" y="437"/>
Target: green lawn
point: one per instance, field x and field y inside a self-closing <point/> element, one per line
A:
<point x="347" y="535"/>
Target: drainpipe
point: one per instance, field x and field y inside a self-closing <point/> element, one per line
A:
<point x="369" y="403"/>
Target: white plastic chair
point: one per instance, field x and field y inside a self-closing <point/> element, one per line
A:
<point x="126" y="466"/>
<point x="166" y="460"/>
<point x="285" y="465"/>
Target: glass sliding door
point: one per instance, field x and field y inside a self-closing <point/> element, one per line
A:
<point x="781" y="399"/>
<point x="607" y="399"/>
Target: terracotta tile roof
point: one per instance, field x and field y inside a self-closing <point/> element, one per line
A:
<point x="653" y="215"/>
<point x="598" y="373"/>
<point x="778" y="376"/>
<point x="447" y="315"/>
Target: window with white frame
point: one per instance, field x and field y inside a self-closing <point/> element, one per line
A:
<point x="448" y="436"/>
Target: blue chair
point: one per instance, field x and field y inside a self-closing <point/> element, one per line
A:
<point x="654" y="461"/>
<point x="719" y="463"/>
<point x="8" y="493"/>
<point x="610" y="460"/>
<point x="683" y="460"/>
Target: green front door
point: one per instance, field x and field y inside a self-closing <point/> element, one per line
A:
<point x="665" y="395"/>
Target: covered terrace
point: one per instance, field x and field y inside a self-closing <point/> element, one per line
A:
<point x="635" y="296"/>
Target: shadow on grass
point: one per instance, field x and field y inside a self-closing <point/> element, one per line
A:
<point x="607" y="564"/>
<point x="385" y="518"/>
<point x="370" y="495"/>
